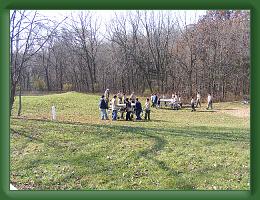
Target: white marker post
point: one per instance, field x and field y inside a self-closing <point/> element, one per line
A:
<point x="12" y="187"/>
<point x="53" y="112"/>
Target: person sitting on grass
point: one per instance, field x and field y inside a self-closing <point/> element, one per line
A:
<point x="138" y="109"/>
<point x="192" y="102"/>
<point x="147" y="109"/>
<point x="210" y="102"/>
<point x="128" y="109"/>
<point x="114" y="110"/>
<point x="103" y="106"/>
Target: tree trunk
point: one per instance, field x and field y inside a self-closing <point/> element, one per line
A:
<point x="20" y="101"/>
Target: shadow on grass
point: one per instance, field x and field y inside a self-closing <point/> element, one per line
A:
<point x="198" y="132"/>
<point x="157" y="134"/>
<point x="206" y="111"/>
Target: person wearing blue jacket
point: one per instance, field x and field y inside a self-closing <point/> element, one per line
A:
<point x="103" y="106"/>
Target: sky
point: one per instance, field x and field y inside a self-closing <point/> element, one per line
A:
<point x="105" y="16"/>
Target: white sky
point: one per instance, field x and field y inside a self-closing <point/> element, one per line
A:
<point x="191" y="16"/>
<point x="105" y="16"/>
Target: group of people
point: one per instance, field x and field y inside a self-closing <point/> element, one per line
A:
<point x="197" y="102"/>
<point x="120" y="102"/>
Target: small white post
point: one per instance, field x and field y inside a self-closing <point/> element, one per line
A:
<point x="12" y="187"/>
<point x="53" y="112"/>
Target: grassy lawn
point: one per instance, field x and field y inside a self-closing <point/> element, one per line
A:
<point x="176" y="150"/>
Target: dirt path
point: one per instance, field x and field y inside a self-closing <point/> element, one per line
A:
<point x="238" y="112"/>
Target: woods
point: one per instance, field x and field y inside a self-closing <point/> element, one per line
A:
<point x="140" y="51"/>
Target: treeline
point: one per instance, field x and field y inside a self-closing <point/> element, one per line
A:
<point x="140" y="51"/>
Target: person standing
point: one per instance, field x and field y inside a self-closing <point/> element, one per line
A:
<point x="198" y="100"/>
<point x="128" y="109"/>
<point x="155" y="100"/>
<point x="147" y="109"/>
<point x="138" y="109"/>
<point x="192" y="102"/>
<point x="106" y="94"/>
<point x="180" y="103"/>
<point x="210" y="102"/>
<point x="152" y="99"/>
<point x="114" y="109"/>
<point x="120" y="97"/>
<point x="124" y="98"/>
<point x="103" y="107"/>
<point x="133" y="97"/>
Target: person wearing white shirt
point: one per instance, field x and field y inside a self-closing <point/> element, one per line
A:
<point x="198" y="100"/>
<point x="114" y="110"/>
<point x="106" y="94"/>
<point x="147" y="109"/>
<point x="132" y="97"/>
<point x="210" y="101"/>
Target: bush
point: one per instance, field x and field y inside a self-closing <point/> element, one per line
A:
<point x="39" y="85"/>
<point x="67" y="87"/>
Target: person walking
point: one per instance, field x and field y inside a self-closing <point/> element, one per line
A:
<point x="192" y="102"/>
<point x="198" y="100"/>
<point x="210" y="102"/>
<point x="103" y="106"/>
<point x="147" y="109"/>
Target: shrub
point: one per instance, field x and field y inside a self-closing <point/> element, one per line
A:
<point x="67" y="87"/>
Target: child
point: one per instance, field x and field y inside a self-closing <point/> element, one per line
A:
<point x="192" y="102"/>
<point x="147" y="109"/>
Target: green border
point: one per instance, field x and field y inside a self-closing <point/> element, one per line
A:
<point x="6" y="5"/>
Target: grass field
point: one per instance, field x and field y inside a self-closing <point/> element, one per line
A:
<point x="176" y="150"/>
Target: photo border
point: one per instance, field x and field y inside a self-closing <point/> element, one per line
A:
<point x="7" y="5"/>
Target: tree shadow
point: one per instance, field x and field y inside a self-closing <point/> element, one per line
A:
<point x="156" y="134"/>
<point x="205" y="111"/>
<point x="226" y="109"/>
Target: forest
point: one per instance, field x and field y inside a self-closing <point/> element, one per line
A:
<point x="141" y="51"/>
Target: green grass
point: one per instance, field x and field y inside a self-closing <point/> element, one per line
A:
<point x="176" y="150"/>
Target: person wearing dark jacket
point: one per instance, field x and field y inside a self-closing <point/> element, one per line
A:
<point x="128" y="109"/>
<point x="138" y="109"/>
<point x="155" y="100"/>
<point x="103" y="106"/>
